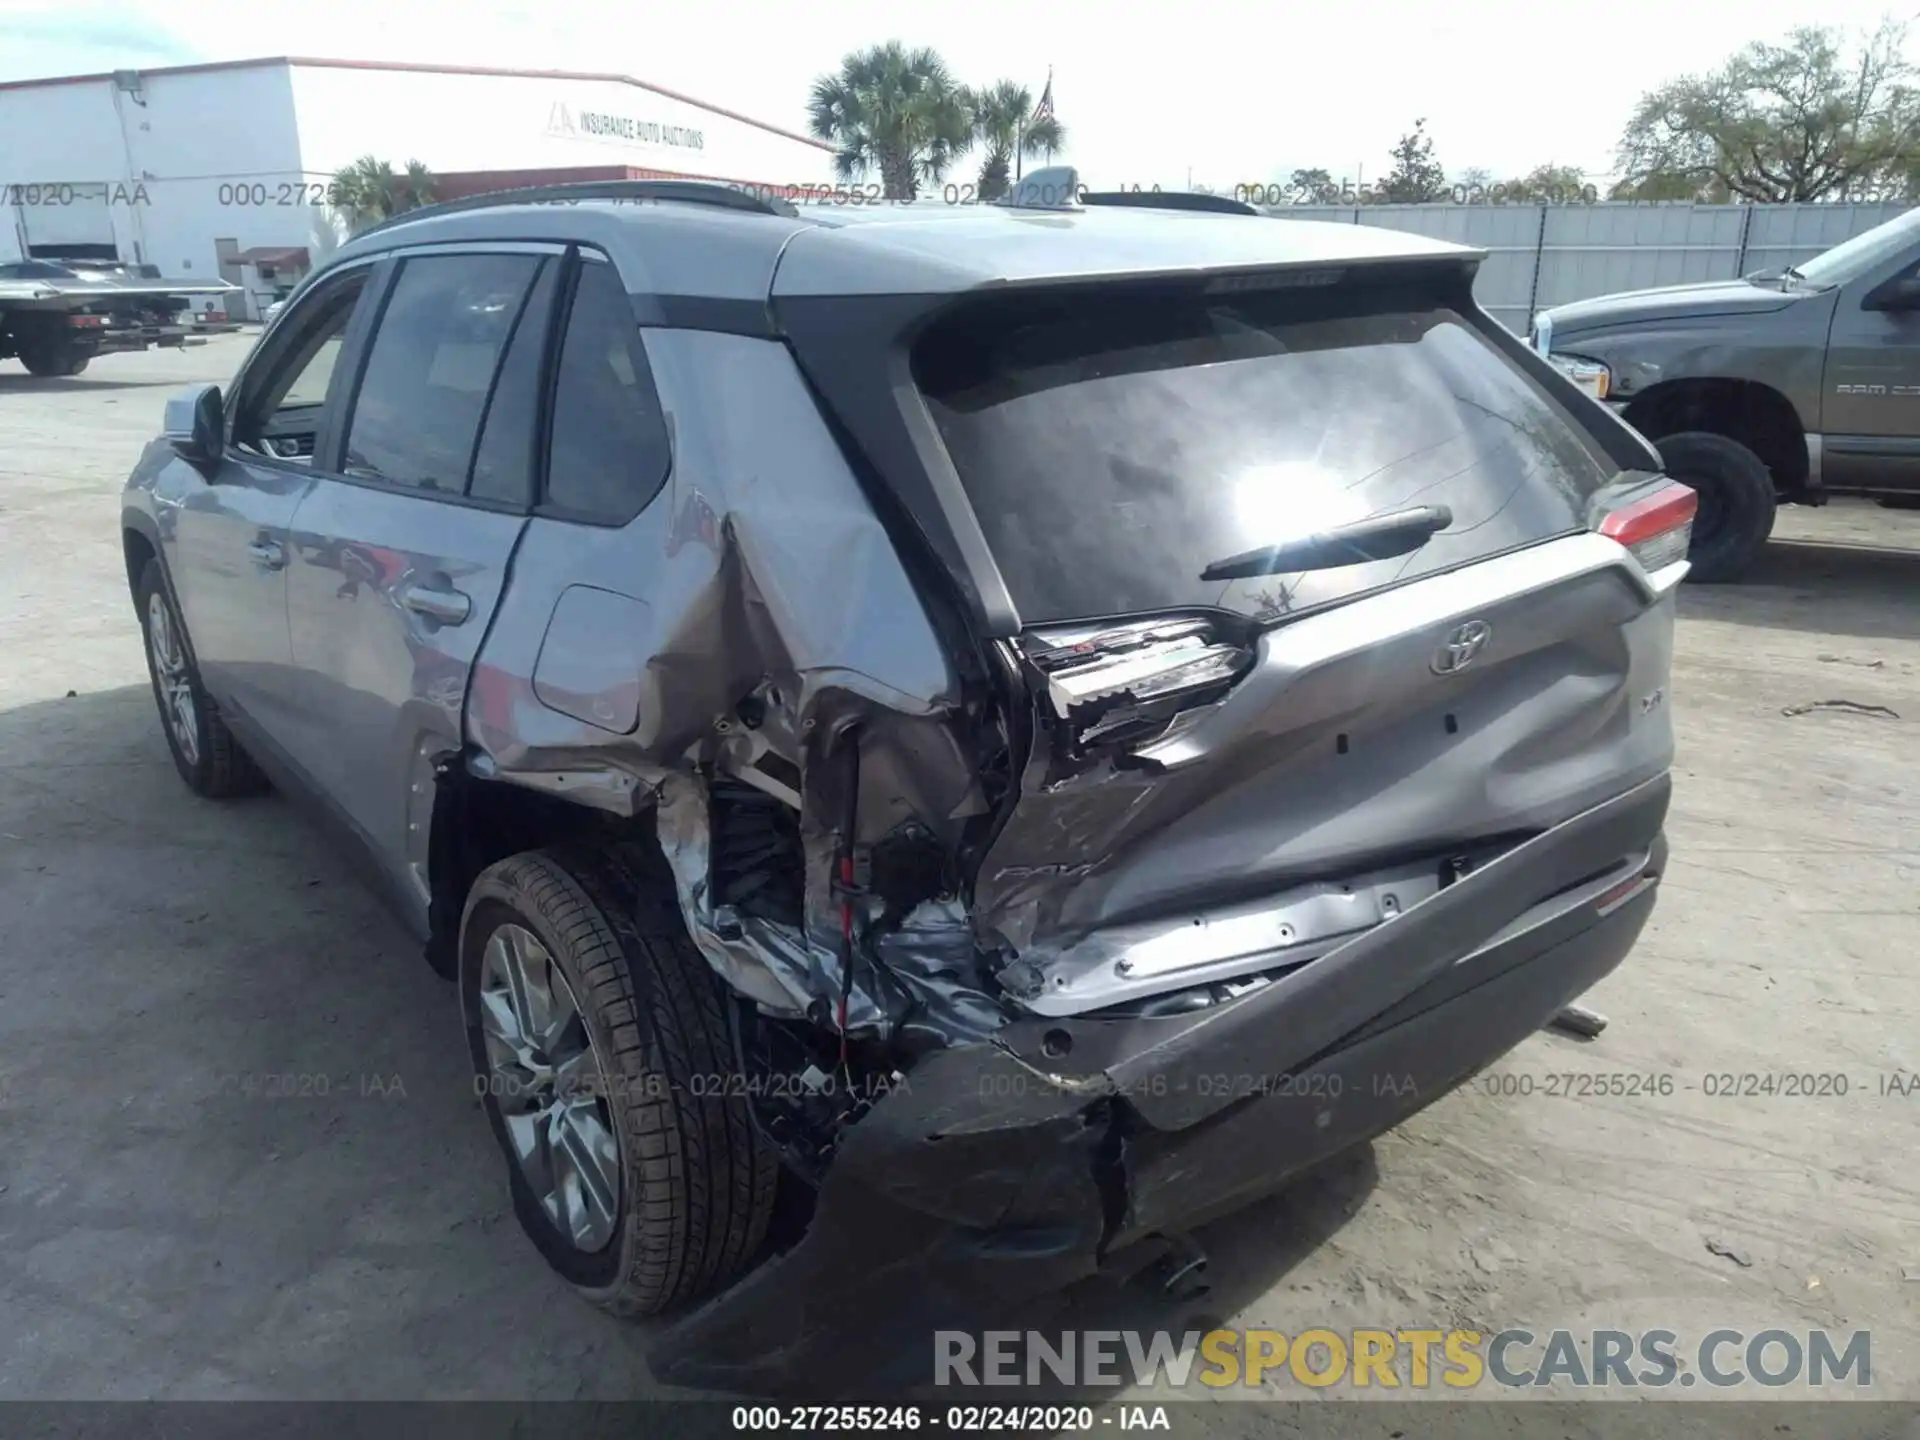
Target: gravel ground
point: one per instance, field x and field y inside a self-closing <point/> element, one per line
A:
<point x="165" y="1234"/>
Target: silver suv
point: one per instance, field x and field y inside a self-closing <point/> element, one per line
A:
<point x="942" y="747"/>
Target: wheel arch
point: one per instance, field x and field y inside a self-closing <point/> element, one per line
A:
<point x="140" y="543"/>
<point x="1754" y="413"/>
<point x="477" y="821"/>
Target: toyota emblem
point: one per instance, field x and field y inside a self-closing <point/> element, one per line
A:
<point x="1461" y="646"/>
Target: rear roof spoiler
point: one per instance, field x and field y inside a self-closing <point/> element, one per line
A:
<point x="1169" y="200"/>
<point x="1058" y="187"/>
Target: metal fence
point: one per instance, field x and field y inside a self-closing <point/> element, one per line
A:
<point x="1544" y="255"/>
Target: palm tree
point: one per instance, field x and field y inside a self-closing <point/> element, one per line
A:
<point x="368" y="191"/>
<point x="1002" y="122"/>
<point x="892" y="110"/>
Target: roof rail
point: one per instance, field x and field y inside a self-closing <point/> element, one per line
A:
<point x="685" y="192"/>
<point x="1168" y="200"/>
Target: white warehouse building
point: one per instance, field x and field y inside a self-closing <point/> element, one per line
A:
<point x="224" y="170"/>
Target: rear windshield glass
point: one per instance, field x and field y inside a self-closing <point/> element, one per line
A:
<point x="1113" y="448"/>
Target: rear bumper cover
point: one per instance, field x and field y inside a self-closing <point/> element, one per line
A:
<point x="1003" y="1172"/>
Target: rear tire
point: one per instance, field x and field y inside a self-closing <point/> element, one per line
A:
<point x="692" y="1184"/>
<point x="52" y="361"/>
<point x="204" y="751"/>
<point x="1737" y="502"/>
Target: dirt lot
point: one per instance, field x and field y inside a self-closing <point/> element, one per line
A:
<point x="163" y="1233"/>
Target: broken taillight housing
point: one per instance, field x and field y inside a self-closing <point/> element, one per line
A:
<point x="1657" y="529"/>
<point x="1129" y="681"/>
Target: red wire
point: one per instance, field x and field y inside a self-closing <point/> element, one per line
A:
<point x="846" y="934"/>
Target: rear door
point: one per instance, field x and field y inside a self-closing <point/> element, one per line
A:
<point x="399" y="553"/>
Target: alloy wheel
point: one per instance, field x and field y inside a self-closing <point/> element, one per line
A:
<point x="169" y="656"/>
<point x="548" y="1082"/>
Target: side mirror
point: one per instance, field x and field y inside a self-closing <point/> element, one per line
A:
<point x="1900" y="293"/>
<point x="195" y="422"/>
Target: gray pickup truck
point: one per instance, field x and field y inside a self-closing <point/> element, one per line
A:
<point x="1784" y="387"/>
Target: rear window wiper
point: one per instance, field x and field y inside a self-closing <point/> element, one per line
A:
<point x="1379" y="537"/>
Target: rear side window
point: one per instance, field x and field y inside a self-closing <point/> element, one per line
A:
<point x="1114" y="447"/>
<point x="504" y="462"/>
<point x="431" y="368"/>
<point x="608" y="455"/>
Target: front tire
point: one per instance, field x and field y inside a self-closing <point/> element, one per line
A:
<point x="1737" y="502"/>
<point x="605" y="1064"/>
<point x="204" y="751"/>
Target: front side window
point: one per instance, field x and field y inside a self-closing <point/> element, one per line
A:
<point x="430" y="368"/>
<point x="280" y="406"/>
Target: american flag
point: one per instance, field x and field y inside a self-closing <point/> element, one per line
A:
<point x="1044" y="110"/>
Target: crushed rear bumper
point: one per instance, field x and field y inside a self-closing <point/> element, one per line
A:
<point x="1003" y="1172"/>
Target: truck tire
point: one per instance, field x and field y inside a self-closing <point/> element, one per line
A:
<point x="1737" y="501"/>
<point x="52" y="360"/>
<point x="605" y="1064"/>
<point x="204" y="751"/>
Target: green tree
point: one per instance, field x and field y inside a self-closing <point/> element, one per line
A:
<point x="1671" y="185"/>
<point x="1548" y="185"/>
<point x="1415" y="177"/>
<point x="893" y="111"/>
<point x="369" y="191"/>
<point x="1311" y="187"/>
<point x="1810" y="119"/>
<point x="1001" y="122"/>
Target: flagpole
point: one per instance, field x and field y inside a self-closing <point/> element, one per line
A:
<point x="1020" y="130"/>
<point x="1047" y="94"/>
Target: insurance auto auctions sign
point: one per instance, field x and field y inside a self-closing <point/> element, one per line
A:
<point x="564" y="120"/>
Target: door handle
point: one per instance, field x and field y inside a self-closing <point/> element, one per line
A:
<point x="268" y="553"/>
<point x="449" y="607"/>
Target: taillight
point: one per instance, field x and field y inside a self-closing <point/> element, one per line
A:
<point x="81" y="321"/>
<point x="1657" y="529"/>
<point x="1129" y="681"/>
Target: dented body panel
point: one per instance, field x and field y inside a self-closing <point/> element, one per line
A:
<point x="1000" y="1177"/>
<point x="1379" y="766"/>
<point x="723" y="584"/>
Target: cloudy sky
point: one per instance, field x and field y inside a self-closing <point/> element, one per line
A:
<point x="1151" y="92"/>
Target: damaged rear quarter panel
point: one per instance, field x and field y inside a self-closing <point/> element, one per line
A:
<point x="761" y="565"/>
